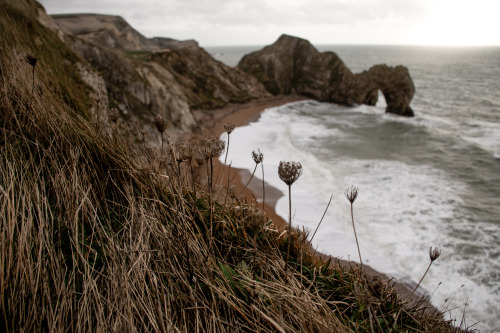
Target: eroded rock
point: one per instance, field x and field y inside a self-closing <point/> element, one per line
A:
<point x="293" y="65"/>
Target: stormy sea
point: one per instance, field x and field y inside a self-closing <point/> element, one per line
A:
<point x="432" y="180"/>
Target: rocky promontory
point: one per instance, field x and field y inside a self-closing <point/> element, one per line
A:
<point x="293" y="65"/>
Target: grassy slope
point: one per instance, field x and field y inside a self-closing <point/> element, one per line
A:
<point x="90" y="241"/>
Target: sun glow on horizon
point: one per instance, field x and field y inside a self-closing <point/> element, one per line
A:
<point x="460" y="23"/>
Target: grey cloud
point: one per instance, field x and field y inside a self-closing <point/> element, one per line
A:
<point x="195" y="18"/>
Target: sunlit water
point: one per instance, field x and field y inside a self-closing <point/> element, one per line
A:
<point x="432" y="180"/>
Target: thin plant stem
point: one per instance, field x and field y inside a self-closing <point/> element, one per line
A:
<point x="263" y="188"/>
<point x="225" y="161"/>
<point x="356" y="236"/>
<point x="227" y="150"/>
<point x="209" y="172"/>
<point x="289" y="227"/>
<point x="422" y="278"/>
<point x="253" y="173"/>
<point x="193" y="178"/>
<point x="228" y="180"/>
<point x="33" y="85"/>
<point x="161" y="138"/>
<point x="322" y="217"/>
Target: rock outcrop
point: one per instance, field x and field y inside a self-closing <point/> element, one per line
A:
<point x="293" y="65"/>
<point x="105" y="30"/>
<point x="158" y="75"/>
<point x="160" y="43"/>
<point x="114" y="32"/>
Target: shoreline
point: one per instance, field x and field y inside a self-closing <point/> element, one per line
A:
<point x="212" y="124"/>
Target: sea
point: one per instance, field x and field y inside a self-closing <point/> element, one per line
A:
<point x="428" y="181"/>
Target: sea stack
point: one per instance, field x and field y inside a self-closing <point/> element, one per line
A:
<point x="294" y="65"/>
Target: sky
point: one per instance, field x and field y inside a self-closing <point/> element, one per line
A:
<point x="261" y="22"/>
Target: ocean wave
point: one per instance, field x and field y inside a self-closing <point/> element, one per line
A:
<point x="403" y="207"/>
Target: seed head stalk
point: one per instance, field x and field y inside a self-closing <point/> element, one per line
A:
<point x="289" y="172"/>
<point x="263" y="188"/>
<point x="32" y="61"/>
<point x="289" y="227"/>
<point x="257" y="158"/>
<point x="351" y="194"/>
<point x="433" y="255"/>
<point x="229" y="127"/>
<point x="161" y="126"/>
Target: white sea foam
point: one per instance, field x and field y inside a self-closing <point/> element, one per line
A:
<point x="484" y="134"/>
<point x="402" y="209"/>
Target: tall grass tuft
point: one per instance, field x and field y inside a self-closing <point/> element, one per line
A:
<point x="209" y="149"/>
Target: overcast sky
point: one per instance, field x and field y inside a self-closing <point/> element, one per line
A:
<point x="261" y="22"/>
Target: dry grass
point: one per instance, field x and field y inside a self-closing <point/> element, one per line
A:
<point x="92" y="241"/>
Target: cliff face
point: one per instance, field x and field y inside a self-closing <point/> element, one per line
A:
<point x="207" y="83"/>
<point x="293" y="65"/>
<point x="154" y="76"/>
<point x="114" y="32"/>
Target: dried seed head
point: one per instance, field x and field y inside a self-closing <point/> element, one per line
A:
<point x="257" y="157"/>
<point x="31" y="60"/>
<point x="434" y="253"/>
<point x="289" y="172"/>
<point x="229" y="127"/>
<point x="210" y="148"/>
<point x="160" y="123"/>
<point x="113" y="115"/>
<point x="184" y="151"/>
<point x="351" y="194"/>
<point x="232" y="191"/>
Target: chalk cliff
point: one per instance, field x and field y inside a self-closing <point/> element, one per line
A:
<point x="153" y="76"/>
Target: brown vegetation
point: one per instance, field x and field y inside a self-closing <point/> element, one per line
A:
<point x="97" y="234"/>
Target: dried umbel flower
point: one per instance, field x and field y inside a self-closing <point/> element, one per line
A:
<point x="31" y="60"/>
<point x="218" y="147"/>
<point x="434" y="253"/>
<point x="184" y="152"/>
<point x="210" y="148"/>
<point x="351" y="193"/>
<point x="232" y="191"/>
<point x="113" y="115"/>
<point x="229" y="127"/>
<point x="160" y="123"/>
<point x="257" y="157"/>
<point x="289" y="172"/>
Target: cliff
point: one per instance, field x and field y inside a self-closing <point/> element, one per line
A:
<point x="144" y="77"/>
<point x="293" y="65"/>
<point x="114" y="32"/>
